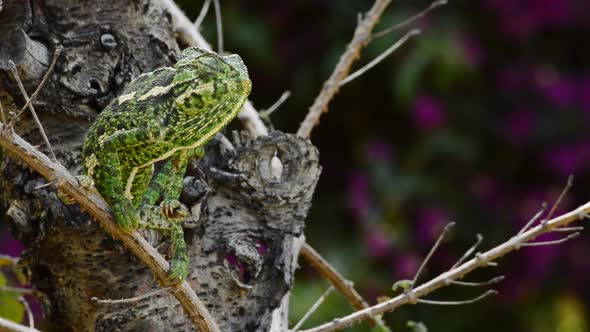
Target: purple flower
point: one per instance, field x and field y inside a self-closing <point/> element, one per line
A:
<point x="584" y="94"/>
<point x="358" y="195"/>
<point x="528" y="206"/>
<point x="579" y="264"/>
<point x="486" y="190"/>
<point x="568" y="159"/>
<point x="562" y="160"/>
<point x="522" y="18"/>
<point x="519" y="125"/>
<point x="379" y="150"/>
<point x="377" y="243"/>
<point x="428" y="114"/>
<point x="405" y="265"/>
<point x="430" y="222"/>
<point x="10" y="246"/>
<point x="472" y="50"/>
<point x="514" y="78"/>
<point x="539" y="261"/>
<point x="561" y="91"/>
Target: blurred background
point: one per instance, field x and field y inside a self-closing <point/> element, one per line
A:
<point x="478" y="120"/>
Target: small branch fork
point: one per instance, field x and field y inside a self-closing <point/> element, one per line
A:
<point x="313" y="308"/>
<point x="339" y="282"/>
<point x="361" y="38"/>
<point x="414" y="294"/>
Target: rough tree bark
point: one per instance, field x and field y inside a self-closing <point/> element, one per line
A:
<point x="248" y="198"/>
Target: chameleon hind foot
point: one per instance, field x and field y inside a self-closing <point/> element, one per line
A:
<point x="152" y="218"/>
<point x="178" y="270"/>
<point x="180" y="261"/>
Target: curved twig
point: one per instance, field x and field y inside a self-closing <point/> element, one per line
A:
<point x="360" y="39"/>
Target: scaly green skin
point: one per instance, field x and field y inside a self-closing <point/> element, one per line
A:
<point x="167" y="114"/>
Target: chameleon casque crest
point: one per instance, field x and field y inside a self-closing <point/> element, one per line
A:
<point x="165" y="115"/>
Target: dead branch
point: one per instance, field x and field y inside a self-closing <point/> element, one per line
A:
<point x="343" y="285"/>
<point x="359" y="40"/>
<point x="446" y="278"/>
<point x="100" y="210"/>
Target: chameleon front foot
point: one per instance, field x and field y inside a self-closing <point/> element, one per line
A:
<point x="126" y="215"/>
<point x="86" y="183"/>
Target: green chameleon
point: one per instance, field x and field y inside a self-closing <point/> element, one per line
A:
<point x="165" y="115"/>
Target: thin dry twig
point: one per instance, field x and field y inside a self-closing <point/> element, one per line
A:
<point x="410" y="20"/>
<point x="469" y="252"/>
<point x="534" y="218"/>
<point x="359" y="40"/>
<point x="431" y="252"/>
<point x="550" y="243"/>
<point x="131" y="299"/>
<point x="478" y="284"/>
<point x="381" y="56"/>
<point x="481" y="259"/>
<point x="10" y="326"/>
<point x="56" y="54"/>
<point x="479" y="298"/>
<point x="267" y="112"/>
<point x="2" y="114"/>
<point x="28" y="310"/>
<point x="14" y="70"/>
<point x="335" y="279"/>
<point x="44" y="185"/>
<point x="568" y="185"/>
<point x="569" y="229"/>
<point x="219" y="25"/>
<point x="100" y="210"/>
<point x="202" y="14"/>
<point x="313" y="308"/>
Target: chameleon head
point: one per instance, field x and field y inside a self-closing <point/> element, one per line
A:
<point x="210" y="90"/>
<point x="198" y="68"/>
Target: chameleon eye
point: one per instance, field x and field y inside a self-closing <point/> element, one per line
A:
<point x="209" y="62"/>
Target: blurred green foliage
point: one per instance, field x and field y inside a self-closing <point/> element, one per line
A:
<point x="10" y="307"/>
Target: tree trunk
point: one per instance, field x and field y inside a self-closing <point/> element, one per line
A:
<point x="248" y="198"/>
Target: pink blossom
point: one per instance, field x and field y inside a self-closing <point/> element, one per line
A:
<point x="379" y="150"/>
<point x="518" y="126"/>
<point x="428" y="114"/>
<point x="377" y="243"/>
<point x="358" y="195"/>
<point x="430" y="222"/>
